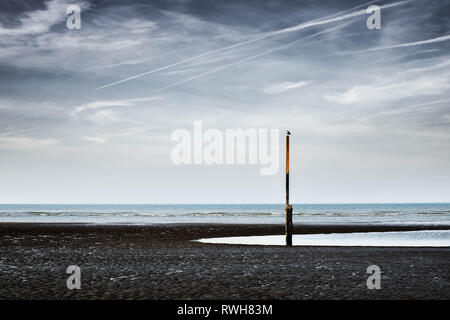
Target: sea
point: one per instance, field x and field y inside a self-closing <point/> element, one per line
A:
<point x="437" y="214"/>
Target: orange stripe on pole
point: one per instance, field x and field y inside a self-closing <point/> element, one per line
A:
<point x="287" y="154"/>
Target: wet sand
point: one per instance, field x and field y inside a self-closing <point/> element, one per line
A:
<point x="160" y="262"/>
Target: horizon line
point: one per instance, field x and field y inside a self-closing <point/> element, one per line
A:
<point x="273" y="203"/>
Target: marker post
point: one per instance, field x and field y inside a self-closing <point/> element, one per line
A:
<point x="288" y="225"/>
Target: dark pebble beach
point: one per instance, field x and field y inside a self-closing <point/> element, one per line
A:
<point x="162" y="262"/>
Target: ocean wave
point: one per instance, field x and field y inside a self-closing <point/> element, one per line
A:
<point x="231" y="213"/>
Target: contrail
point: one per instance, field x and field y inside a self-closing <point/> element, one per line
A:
<point x="247" y="59"/>
<point x="184" y="61"/>
<point x="302" y="26"/>
<point x="339" y="18"/>
<point x="408" y="44"/>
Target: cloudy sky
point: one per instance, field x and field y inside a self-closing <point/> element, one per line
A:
<point x="86" y="115"/>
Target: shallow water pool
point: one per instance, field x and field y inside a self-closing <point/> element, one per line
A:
<point x="429" y="238"/>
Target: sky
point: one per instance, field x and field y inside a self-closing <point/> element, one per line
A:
<point x="86" y="116"/>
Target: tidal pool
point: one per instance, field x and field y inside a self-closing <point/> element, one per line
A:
<point x="429" y="238"/>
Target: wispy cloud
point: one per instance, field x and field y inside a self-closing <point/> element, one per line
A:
<point x="102" y="139"/>
<point x="408" y="108"/>
<point x="110" y="103"/>
<point x="377" y="93"/>
<point x="41" y="21"/>
<point x="12" y="132"/>
<point x="24" y="143"/>
<point x="284" y="86"/>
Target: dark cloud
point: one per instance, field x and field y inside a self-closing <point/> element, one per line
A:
<point x="12" y="10"/>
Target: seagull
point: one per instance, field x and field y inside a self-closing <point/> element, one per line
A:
<point x="288" y="133"/>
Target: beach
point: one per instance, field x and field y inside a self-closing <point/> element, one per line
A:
<point x="162" y="262"/>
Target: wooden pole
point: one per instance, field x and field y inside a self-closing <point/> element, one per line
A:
<point x="288" y="225"/>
